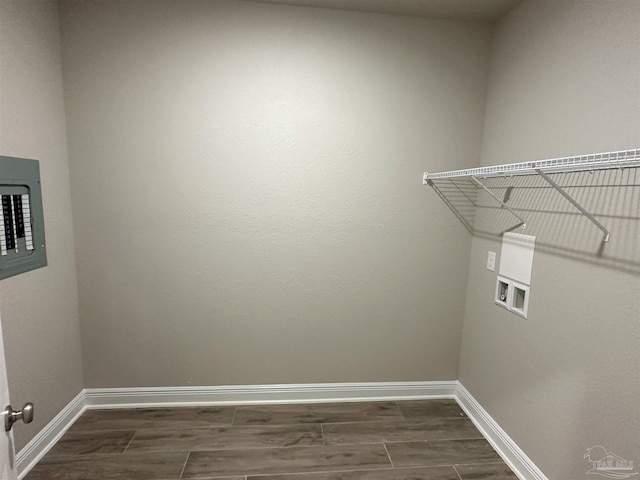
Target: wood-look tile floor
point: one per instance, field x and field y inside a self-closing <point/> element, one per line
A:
<point x="414" y="440"/>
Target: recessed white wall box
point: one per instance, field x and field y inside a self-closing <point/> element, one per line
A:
<point x="519" y="299"/>
<point x="516" y="263"/>
<point x="503" y="292"/>
<point x="513" y="296"/>
<point x="491" y="261"/>
<point x="516" y="259"/>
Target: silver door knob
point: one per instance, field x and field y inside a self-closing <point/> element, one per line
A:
<point x="11" y="416"/>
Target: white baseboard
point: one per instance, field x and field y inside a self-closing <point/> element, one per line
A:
<point x="39" y="445"/>
<point x="262" y="394"/>
<point x="510" y="452"/>
<point x="94" y="398"/>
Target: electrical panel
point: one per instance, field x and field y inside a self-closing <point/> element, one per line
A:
<point x="22" y="245"/>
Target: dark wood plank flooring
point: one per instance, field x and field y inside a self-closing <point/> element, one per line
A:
<point x="413" y="440"/>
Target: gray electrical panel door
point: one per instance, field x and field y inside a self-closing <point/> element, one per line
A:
<point x="22" y="246"/>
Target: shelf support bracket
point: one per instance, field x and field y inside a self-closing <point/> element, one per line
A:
<point x="559" y="189"/>
<point x="504" y="205"/>
<point x="446" y="201"/>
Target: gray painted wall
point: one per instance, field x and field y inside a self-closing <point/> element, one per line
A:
<point x="564" y="80"/>
<point x="248" y="207"/>
<point x="247" y="191"/>
<point x="39" y="309"/>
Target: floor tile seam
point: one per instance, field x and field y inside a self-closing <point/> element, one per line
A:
<point x="192" y="450"/>
<point x="236" y="425"/>
<point x="227" y="477"/>
<point x="233" y="424"/>
<point x="77" y="456"/>
<point x="451" y="464"/>
<point x="302" y="426"/>
<point x="200" y="449"/>
<point x="89" y="456"/>
<point x="130" y="441"/>
<point x="323" y="422"/>
<point x="423" y="420"/>
<point x="136" y="428"/>
<point x="133" y="453"/>
<point x="99" y="430"/>
<point x="501" y="462"/>
<point x="314" y="472"/>
<point x="232" y="428"/>
<point x="189" y="449"/>
<point x="388" y="455"/>
<point x="457" y="472"/>
<point x="480" y="437"/>
<point x="165" y="478"/>
<point x="294" y="474"/>
<point x="395" y="442"/>
<point x="184" y="465"/>
<point x="430" y="465"/>
<point x="287" y="474"/>
<point x="233" y="418"/>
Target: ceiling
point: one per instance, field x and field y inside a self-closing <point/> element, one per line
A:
<point x="479" y="10"/>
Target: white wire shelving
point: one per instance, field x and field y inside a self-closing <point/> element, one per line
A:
<point x="591" y="162"/>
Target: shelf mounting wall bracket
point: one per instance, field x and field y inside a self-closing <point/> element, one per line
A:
<point x="523" y="223"/>
<point x="559" y="189"/>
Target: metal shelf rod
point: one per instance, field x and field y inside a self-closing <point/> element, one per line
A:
<point x="575" y="204"/>
<point x="523" y="223"/>
<point x="595" y="161"/>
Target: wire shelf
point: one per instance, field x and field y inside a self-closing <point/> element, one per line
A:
<point x="594" y="161"/>
<point x="591" y="162"/>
